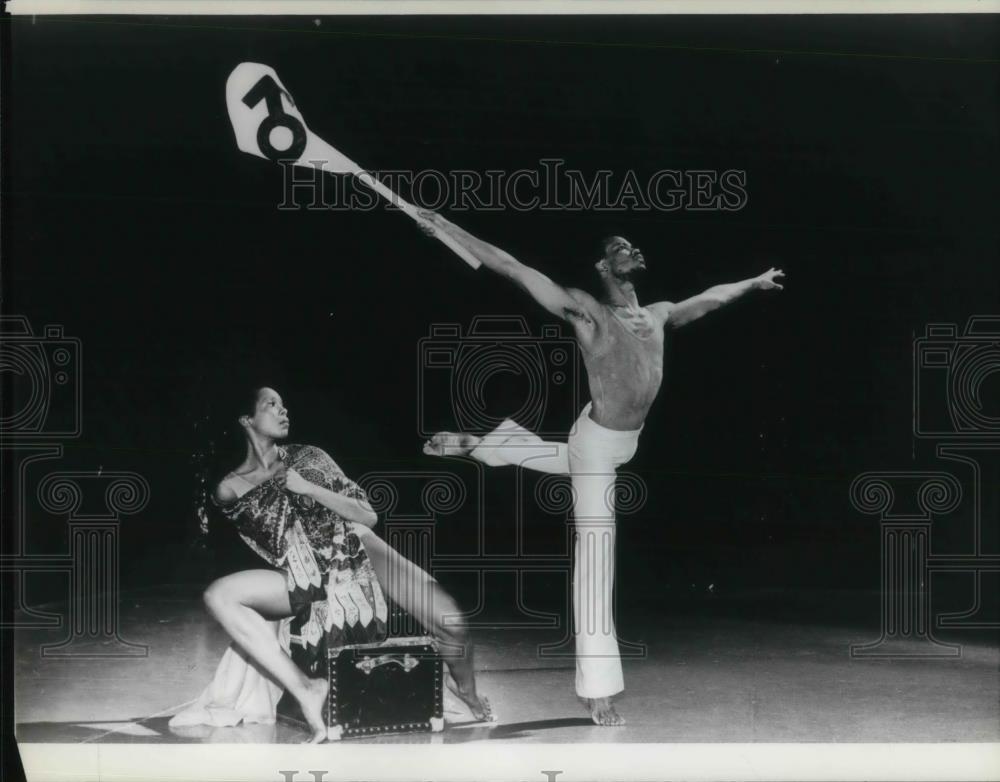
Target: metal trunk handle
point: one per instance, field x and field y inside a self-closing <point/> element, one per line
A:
<point x="407" y="662"/>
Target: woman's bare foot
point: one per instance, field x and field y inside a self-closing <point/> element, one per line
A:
<point x="478" y="705"/>
<point x="603" y="713"/>
<point x="312" y="704"/>
<point x="451" y="444"/>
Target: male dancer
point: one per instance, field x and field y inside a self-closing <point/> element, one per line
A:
<point x="622" y="346"/>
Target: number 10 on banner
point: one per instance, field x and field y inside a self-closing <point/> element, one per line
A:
<point x="268" y="124"/>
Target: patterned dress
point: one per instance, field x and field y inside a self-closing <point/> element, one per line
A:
<point x="333" y="589"/>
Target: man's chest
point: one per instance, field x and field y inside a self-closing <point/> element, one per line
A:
<point x="638" y="323"/>
<point x="629" y="344"/>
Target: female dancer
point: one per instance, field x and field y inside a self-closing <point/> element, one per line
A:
<point x="295" y="507"/>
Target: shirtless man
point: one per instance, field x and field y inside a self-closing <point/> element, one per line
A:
<point x="622" y="346"/>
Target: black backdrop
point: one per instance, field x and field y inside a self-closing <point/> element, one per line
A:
<point x="870" y="146"/>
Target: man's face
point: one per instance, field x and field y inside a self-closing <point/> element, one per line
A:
<point x="621" y="258"/>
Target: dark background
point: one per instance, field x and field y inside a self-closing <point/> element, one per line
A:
<point x="871" y="150"/>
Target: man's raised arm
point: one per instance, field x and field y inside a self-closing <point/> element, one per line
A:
<point x="717" y="296"/>
<point x="555" y="298"/>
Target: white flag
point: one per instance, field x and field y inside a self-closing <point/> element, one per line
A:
<point x="268" y="124"/>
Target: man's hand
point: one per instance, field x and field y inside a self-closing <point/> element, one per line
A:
<point x="551" y="296"/>
<point x="430" y="222"/>
<point x="426" y="221"/>
<point x="766" y="281"/>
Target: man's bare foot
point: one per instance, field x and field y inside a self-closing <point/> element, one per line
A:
<point x="312" y="705"/>
<point x="603" y="713"/>
<point x="478" y="705"/>
<point x="451" y="444"/>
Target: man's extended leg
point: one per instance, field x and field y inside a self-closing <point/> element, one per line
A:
<point x="508" y="444"/>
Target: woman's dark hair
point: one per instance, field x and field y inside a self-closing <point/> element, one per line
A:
<point x="250" y="401"/>
<point x="218" y="438"/>
<point x="217" y="443"/>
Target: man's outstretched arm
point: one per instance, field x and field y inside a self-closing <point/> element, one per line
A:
<point x="717" y="296"/>
<point x="555" y="298"/>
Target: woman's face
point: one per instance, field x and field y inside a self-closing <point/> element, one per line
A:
<point x="270" y="418"/>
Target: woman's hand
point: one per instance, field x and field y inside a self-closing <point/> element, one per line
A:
<point x="348" y="508"/>
<point x="295" y="483"/>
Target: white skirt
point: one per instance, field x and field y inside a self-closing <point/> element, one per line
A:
<point x="239" y="692"/>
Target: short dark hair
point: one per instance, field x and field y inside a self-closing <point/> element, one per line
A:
<point x="607" y="240"/>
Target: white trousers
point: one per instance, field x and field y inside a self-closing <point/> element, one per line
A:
<point x="590" y="458"/>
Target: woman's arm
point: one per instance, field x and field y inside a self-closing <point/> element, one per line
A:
<point x="352" y="509"/>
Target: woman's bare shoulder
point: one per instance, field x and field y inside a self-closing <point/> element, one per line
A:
<point x="225" y="493"/>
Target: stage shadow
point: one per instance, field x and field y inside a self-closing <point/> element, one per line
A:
<point x="457" y="734"/>
<point x="464" y="732"/>
<point x="155" y="730"/>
